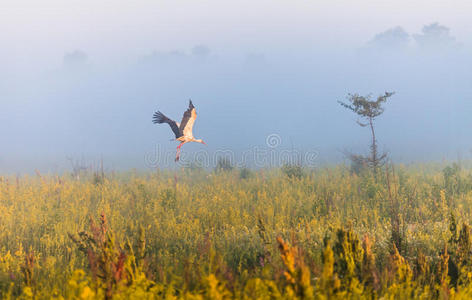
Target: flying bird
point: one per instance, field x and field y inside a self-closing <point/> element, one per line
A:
<point x="183" y="131"/>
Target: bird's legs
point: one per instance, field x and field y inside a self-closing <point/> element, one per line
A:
<point x="177" y="156"/>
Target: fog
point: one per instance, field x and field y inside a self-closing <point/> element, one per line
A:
<point x="78" y="104"/>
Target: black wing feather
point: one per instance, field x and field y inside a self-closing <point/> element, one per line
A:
<point x="159" y="118"/>
<point x="187" y="115"/>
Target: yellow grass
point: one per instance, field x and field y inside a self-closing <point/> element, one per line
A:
<point x="206" y="235"/>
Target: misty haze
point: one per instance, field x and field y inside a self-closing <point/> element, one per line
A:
<point x="87" y="110"/>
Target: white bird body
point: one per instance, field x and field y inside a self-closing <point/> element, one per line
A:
<point x="183" y="130"/>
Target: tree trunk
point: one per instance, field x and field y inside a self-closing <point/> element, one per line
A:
<point x="373" y="148"/>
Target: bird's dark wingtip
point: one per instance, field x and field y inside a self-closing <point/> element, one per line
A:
<point x="158" y="117"/>
<point x="190" y="104"/>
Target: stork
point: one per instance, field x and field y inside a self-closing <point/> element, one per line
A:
<point x="183" y="131"/>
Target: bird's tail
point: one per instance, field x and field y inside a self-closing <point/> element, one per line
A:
<point x="159" y="118"/>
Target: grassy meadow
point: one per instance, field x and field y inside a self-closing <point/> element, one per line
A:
<point x="285" y="233"/>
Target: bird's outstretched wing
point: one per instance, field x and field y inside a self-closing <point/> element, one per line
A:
<point x="159" y="118"/>
<point x="186" y="126"/>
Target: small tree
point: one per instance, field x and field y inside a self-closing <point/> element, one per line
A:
<point x="369" y="110"/>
